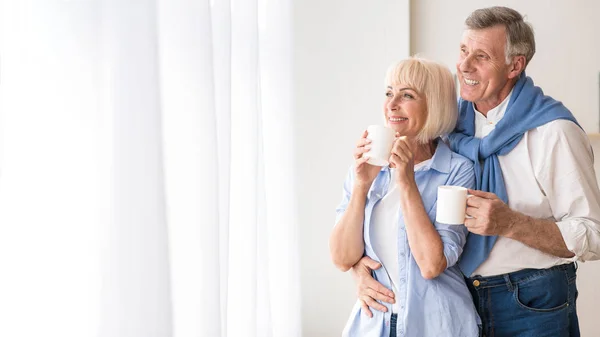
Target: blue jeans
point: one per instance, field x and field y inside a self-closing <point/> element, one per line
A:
<point x="393" y="323"/>
<point x="529" y="302"/>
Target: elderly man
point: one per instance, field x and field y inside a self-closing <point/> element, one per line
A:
<point x="536" y="209"/>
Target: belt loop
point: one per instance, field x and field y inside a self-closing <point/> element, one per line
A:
<point x="508" y="283"/>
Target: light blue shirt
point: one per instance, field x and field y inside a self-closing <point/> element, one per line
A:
<point x="428" y="308"/>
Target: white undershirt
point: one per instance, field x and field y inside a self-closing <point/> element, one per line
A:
<point x="384" y="222"/>
<point x="548" y="175"/>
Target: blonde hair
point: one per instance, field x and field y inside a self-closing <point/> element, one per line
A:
<point x="434" y="81"/>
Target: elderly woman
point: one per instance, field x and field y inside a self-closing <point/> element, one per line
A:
<point x="388" y="213"/>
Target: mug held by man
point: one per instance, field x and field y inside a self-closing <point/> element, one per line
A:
<point x="451" y="205"/>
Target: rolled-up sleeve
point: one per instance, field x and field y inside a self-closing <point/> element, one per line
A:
<point x="582" y="237"/>
<point x="454" y="237"/>
<point x="346" y="193"/>
<point x="569" y="180"/>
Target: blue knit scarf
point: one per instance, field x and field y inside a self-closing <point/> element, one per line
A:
<point x="528" y="108"/>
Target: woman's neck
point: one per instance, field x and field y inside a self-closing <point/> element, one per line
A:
<point x="422" y="152"/>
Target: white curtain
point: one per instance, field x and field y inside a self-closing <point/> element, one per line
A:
<point x="147" y="169"/>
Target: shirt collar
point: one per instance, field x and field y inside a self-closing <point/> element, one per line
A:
<point x="495" y="114"/>
<point x="441" y="158"/>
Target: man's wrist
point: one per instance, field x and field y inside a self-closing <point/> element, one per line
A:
<point x="516" y="221"/>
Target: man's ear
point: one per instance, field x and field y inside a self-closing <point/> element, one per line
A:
<point x="517" y="66"/>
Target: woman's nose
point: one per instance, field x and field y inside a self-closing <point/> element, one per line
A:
<point x="392" y="105"/>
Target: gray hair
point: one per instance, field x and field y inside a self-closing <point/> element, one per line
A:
<point x="519" y="34"/>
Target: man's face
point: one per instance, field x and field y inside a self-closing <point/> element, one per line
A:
<point x="485" y="78"/>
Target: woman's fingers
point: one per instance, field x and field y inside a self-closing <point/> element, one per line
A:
<point x="362" y="145"/>
<point x="361" y="161"/>
<point x="399" y="158"/>
<point x="358" y="152"/>
<point x="363" y="139"/>
<point x="401" y="150"/>
<point x="363" y="142"/>
<point x="400" y="146"/>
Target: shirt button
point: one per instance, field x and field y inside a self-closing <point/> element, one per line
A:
<point x="476" y="283"/>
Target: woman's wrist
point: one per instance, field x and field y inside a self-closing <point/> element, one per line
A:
<point x="361" y="187"/>
<point x="407" y="188"/>
<point x="406" y="183"/>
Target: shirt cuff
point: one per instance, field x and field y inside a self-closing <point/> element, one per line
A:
<point x="574" y="233"/>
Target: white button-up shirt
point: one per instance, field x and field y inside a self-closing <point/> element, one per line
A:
<point x="548" y="175"/>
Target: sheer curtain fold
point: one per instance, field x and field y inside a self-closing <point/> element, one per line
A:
<point x="158" y="142"/>
<point x="192" y="168"/>
<point x="136" y="264"/>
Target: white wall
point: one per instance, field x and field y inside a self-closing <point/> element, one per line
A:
<point x="342" y="50"/>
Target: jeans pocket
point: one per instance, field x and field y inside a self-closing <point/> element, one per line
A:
<point x="549" y="293"/>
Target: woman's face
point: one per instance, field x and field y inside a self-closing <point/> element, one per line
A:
<point x="405" y="110"/>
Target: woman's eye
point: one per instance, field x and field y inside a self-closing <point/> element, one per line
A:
<point x="407" y="95"/>
<point x="388" y="94"/>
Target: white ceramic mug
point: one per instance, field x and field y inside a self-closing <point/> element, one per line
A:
<point x="382" y="140"/>
<point x="451" y="205"/>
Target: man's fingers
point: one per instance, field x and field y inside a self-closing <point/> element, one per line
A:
<point x="475" y="201"/>
<point x="471" y="225"/>
<point x="374" y="305"/>
<point x="379" y="296"/>
<point x="366" y="309"/>
<point x="482" y="194"/>
<point x="369" y="262"/>
<point x="472" y="211"/>
<point x="371" y="283"/>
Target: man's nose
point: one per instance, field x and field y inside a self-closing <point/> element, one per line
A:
<point x="466" y="64"/>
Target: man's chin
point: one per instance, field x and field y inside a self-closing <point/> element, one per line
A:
<point x="468" y="96"/>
